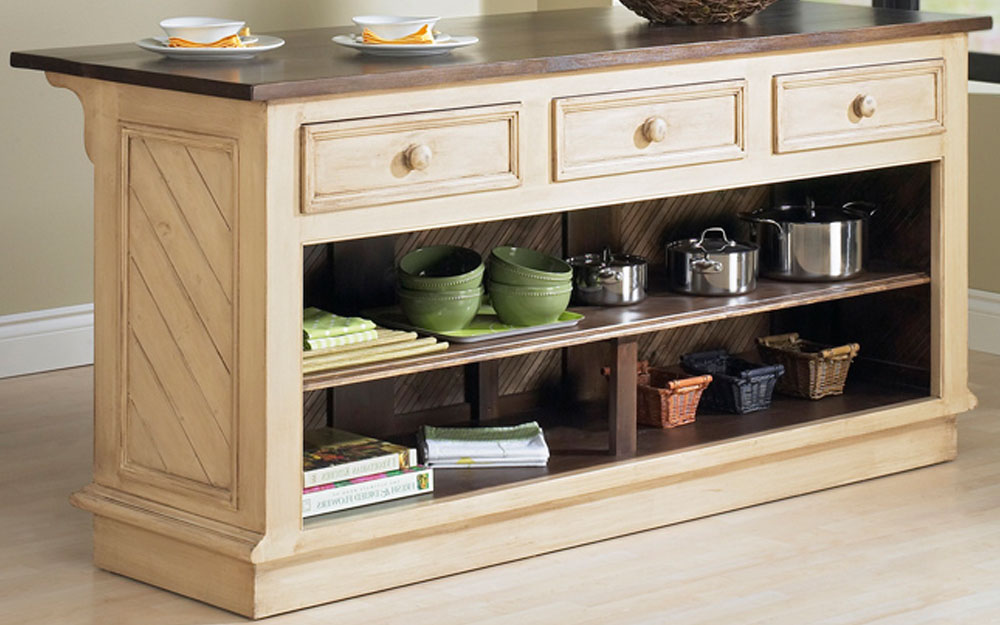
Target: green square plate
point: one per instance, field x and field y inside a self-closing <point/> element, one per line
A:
<point x="486" y="326"/>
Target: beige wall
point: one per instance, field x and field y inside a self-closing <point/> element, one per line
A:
<point x="984" y="189"/>
<point x="46" y="181"/>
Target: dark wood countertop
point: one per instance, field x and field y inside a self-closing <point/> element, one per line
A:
<point x="521" y="44"/>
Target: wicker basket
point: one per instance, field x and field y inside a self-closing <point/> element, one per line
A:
<point x="740" y="386"/>
<point x="669" y="399"/>
<point x="696" y="11"/>
<point x="664" y="398"/>
<point x="812" y="370"/>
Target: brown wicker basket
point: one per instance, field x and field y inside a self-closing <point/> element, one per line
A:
<point x="669" y="399"/>
<point x="696" y="11"/>
<point x="812" y="370"/>
<point x="664" y="398"/>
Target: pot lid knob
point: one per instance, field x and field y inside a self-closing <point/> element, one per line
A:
<point x="865" y="105"/>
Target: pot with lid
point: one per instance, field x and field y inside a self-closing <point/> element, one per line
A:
<point x="811" y="243"/>
<point x="712" y="265"/>
<point x="608" y="279"/>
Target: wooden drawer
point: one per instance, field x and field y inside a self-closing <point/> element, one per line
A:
<point x="643" y="129"/>
<point x="380" y="160"/>
<point x="853" y="105"/>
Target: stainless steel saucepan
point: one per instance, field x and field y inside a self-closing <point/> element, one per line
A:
<point x="712" y="265"/>
<point x="608" y="279"/>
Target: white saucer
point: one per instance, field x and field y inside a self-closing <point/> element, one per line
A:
<point x="442" y="45"/>
<point x="257" y="44"/>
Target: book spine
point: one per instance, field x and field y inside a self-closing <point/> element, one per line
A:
<point x="359" y="468"/>
<point x="387" y="488"/>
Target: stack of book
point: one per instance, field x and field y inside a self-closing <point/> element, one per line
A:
<point x="331" y="341"/>
<point x="511" y="446"/>
<point x="342" y="470"/>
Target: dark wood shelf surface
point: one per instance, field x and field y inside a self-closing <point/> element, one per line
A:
<point x="660" y="311"/>
<point x="585" y="447"/>
<point x="521" y="44"/>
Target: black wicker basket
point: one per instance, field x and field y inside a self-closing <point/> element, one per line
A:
<point x="738" y="385"/>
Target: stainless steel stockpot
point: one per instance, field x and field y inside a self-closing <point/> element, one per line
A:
<point x="608" y="279"/>
<point x="811" y="243"/>
<point x="712" y="265"/>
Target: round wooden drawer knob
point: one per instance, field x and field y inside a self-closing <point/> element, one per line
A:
<point x="864" y="105"/>
<point x="418" y="157"/>
<point x="654" y="129"/>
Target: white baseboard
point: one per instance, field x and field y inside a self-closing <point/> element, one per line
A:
<point x="43" y="340"/>
<point x="984" y="321"/>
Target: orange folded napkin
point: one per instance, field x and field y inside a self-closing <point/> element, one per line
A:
<point x="232" y="41"/>
<point x="421" y="36"/>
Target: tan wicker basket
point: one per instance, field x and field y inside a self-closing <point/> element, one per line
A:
<point x="696" y="11"/>
<point x="812" y="370"/>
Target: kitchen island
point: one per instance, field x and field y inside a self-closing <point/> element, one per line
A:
<point x="230" y="195"/>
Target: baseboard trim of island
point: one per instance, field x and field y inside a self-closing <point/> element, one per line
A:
<point x="306" y="579"/>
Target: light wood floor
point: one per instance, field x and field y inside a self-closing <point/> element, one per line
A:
<point x="917" y="548"/>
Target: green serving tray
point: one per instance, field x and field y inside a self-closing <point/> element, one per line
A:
<point x="485" y="326"/>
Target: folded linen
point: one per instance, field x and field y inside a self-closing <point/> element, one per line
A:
<point x="325" y="342"/>
<point x="382" y="337"/>
<point x="520" y="445"/>
<point x="319" y="323"/>
<point x="423" y="35"/>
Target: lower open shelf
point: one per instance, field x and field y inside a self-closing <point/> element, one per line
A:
<point x="578" y="441"/>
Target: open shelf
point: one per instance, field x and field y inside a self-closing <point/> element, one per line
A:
<point x="660" y="311"/>
<point x="576" y="448"/>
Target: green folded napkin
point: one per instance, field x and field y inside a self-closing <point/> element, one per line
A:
<point x="318" y="324"/>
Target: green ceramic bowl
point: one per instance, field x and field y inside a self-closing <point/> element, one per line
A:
<point x="529" y="305"/>
<point x="441" y="268"/>
<point x="521" y="266"/>
<point x="440" y="312"/>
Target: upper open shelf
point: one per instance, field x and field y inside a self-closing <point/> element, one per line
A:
<point x="660" y="311"/>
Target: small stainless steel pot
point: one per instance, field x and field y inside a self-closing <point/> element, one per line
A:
<point x="712" y="265"/>
<point x="608" y="279"/>
<point x="811" y="243"/>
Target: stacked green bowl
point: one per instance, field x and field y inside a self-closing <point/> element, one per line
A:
<point x="528" y="287"/>
<point x="440" y="287"/>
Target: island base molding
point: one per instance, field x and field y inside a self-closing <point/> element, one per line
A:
<point x="739" y="477"/>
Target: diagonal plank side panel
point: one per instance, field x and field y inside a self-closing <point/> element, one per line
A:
<point x="196" y="207"/>
<point x="179" y="434"/>
<point x="207" y="432"/>
<point x="215" y="167"/>
<point x="152" y="197"/>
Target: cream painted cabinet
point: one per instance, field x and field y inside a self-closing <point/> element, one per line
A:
<point x="211" y="208"/>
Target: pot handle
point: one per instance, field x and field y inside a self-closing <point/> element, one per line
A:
<point x="760" y="220"/>
<point x="610" y="275"/>
<point x="867" y="208"/>
<point x="704" y="265"/>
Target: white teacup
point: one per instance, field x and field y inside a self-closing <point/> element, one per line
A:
<point x="394" y="26"/>
<point x="201" y="29"/>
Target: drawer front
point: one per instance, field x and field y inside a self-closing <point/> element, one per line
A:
<point x="644" y="129"/>
<point x="380" y="160"/>
<point x="858" y="105"/>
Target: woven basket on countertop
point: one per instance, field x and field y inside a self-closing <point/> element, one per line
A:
<point x="696" y="11"/>
<point x="812" y="369"/>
